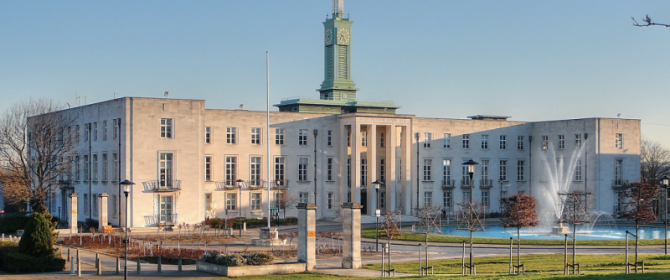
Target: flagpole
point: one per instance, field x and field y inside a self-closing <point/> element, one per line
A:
<point x="267" y="130"/>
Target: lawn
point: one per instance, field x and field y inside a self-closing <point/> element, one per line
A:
<point x="608" y="276"/>
<point x="370" y="233"/>
<point x="535" y="263"/>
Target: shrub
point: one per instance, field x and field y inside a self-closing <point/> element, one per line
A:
<point x="239" y="259"/>
<point x="10" y="223"/>
<point x="15" y="262"/>
<point x="260" y="259"/>
<point x="38" y="239"/>
<point x="91" y="223"/>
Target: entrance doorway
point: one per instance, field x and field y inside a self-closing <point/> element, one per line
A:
<point x="364" y="200"/>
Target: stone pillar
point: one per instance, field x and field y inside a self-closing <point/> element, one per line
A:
<point x="102" y="211"/>
<point x="391" y="167"/>
<point x="307" y="235"/>
<point x="73" y="212"/>
<point x="351" y="251"/>
<point x="356" y="143"/>
<point x="344" y="154"/>
<point x="373" y="175"/>
<point x="407" y="169"/>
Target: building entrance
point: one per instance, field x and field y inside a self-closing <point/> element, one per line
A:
<point x="364" y="199"/>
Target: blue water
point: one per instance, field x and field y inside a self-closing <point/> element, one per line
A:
<point x="598" y="232"/>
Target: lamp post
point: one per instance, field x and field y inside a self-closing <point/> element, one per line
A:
<point x="501" y="181"/>
<point x="316" y="132"/>
<point x="377" y="211"/>
<point x="416" y="136"/>
<point x="471" y="171"/>
<point x="240" y="183"/>
<point x="126" y="189"/>
<point x="665" y="181"/>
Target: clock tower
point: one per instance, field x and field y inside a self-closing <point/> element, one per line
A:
<point x="337" y="83"/>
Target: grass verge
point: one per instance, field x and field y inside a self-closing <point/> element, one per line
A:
<point x="538" y="276"/>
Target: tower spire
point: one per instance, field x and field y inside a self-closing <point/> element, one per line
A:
<point x="338" y="8"/>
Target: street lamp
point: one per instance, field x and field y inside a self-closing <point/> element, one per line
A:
<point x="240" y="183"/>
<point x="126" y="189"/>
<point x="377" y="211"/>
<point x="471" y="171"/>
<point x="316" y="132"/>
<point x="665" y="181"/>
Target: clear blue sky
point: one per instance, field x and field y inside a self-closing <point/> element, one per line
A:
<point x="532" y="60"/>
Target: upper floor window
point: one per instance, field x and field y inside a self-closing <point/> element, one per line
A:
<point x="427" y="137"/>
<point x="578" y="170"/>
<point x="447" y="140"/>
<point x="95" y="131"/>
<point x="561" y="141"/>
<point x="255" y="136"/>
<point x="519" y="143"/>
<point x="166" y="128"/>
<point x="104" y="130"/>
<point x="485" y="142"/>
<point x="545" y="142"/>
<point x="466" y="141"/>
<point x="329" y="172"/>
<point x="382" y="170"/>
<point x="618" y="171"/>
<point x="520" y="176"/>
<point x="255" y="171"/>
<point x="165" y="169"/>
<point x="76" y="133"/>
<point x="87" y="128"/>
<point x="381" y="139"/>
<point x="231" y="170"/>
<point x="427" y="172"/>
<point x="280" y="170"/>
<point x="503" y="170"/>
<point x="330" y="137"/>
<point x="485" y="170"/>
<point x="104" y="167"/>
<point x="115" y="158"/>
<point x="619" y="141"/>
<point x="208" y="134"/>
<point x="302" y="137"/>
<point x="364" y="139"/>
<point x="115" y="128"/>
<point x="279" y="136"/>
<point x="503" y="142"/>
<point x="578" y="140"/>
<point x="230" y="135"/>
<point x="302" y="168"/>
<point x="94" y="165"/>
<point x="364" y="172"/>
<point x="446" y="172"/>
<point x="208" y="168"/>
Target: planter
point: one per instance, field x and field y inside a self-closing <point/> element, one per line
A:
<point x="234" y="271"/>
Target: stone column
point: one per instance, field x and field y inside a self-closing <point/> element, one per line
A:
<point x="391" y="168"/>
<point x="356" y="163"/>
<point x="344" y="154"/>
<point x="372" y="170"/>
<point x="102" y="211"/>
<point x="73" y="212"/>
<point x="407" y="168"/>
<point x="351" y="251"/>
<point x="307" y="235"/>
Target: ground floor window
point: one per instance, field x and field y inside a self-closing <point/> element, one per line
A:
<point x="427" y="199"/>
<point x="256" y="201"/>
<point x="231" y="201"/>
<point x="166" y="209"/>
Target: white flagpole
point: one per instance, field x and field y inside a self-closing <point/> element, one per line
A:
<point x="267" y="130"/>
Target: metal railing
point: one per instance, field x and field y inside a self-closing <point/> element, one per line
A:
<point x="279" y="184"/>
<point x="162" y="186"/>
<point x="618" y="183"/>
<point x="486" y="183"/>
<point x="448" y="184"/>
<point x="465" y="184"/>
<point x="153" y="220"/>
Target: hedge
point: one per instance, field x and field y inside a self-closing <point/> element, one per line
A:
<point x="239" y="259"/>
<point x="12" y="261"/>
<point x="251" y="223"/>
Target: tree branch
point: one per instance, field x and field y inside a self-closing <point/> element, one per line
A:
<point x="648" y="22"/>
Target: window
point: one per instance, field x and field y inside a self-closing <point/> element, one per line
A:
<point x="485" y="142"/>
<point x="104" y="130"/>
<point x="447" y="140"/>
<point x="76" y="168"/>
<point x="348" y="139"/>
<point x="208" y="202"/>
<point x="446" y="200"/>
<point x="330" y="137"/>
<point x="95" y="168"/>
<point x="618" y="172"/>
<point x="76" y="133"/>
<point x="87" y="127"/>
<point x="255" y="136"/>
<point x="230" y="135"/>
<point x="95" y="131"/>
<point x="578" y="170"/>
<point x="503" y="142"/>
<point x="255" y="171"/>
<point x="427" y="199"/>
<point x="382" y="170"/>
<point x="231" y="201"/>
<point x="85" y="203"/>
<point x="519" y="142"/>
<point x="545" y="142"/>
<point x="104" y="167"/>
<point x="466" y="175"/>
<point x="561" y="141"/>
<point x="364" y="172"/>
<point x="115" y="128"/>
<point x="165" y="169"/>
<point x="485" y="170"/>
<point x="302" y="169"/>
<point x="520" y="170"/>
<point x="329" y="169"/>
<point x="115" y="158"/>
<point x="466" y="141"/>
<point x="302" y="137"/>
<point x="446" y="172"/>
<point x="256" y="201"/>
<point x="485" y="199"/>
<point x="427" y="169"/>
<point x="304" y="197"/>
<point x="330" y="200"/>
<point x="364" y="139"/>
<point x="166" y="128"/>
<point x="619" y="141"/>
<point x="427" y="137"/>
<point x="208" y="133"/>
<point x="382" y="200"/>
<point x="349" y="171"/>
<point x="94" y="201"/>
<point x="578" y="140"/>
<point x="280" y="170"/>
<point x="115" y="212"/>
<point x="381" y="139"/>
<point x="86" y="166"/>
<point x="208" y="168"/>
<point x="279" y="136"/>
<point x="503" y="170"/>
<point x="466" y="196"/>
<point x="166" y="209"/>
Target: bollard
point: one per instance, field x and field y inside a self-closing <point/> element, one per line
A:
<point x="179" y="264"/>
<point x="118" y="265"/>
<point x="244" y="228"/>
<point x="72" y="266"/>
<point x="420" y="270"/>
<point x="159" y="264"/>
<point x="78" y="264"/>
<point x="97" y="257"/>
<point x="510" y="254"/>
<point x="3" y="237"/>
<point x="68" y="253"/>
<point x="139" y="267"/>
<point x="60" y="252"/>
<point x="474" y="269"/>
<point x="98" y="264"/>
<point x="463" y="259"/>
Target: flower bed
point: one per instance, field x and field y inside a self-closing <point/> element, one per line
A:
<point x="242" y="264"/>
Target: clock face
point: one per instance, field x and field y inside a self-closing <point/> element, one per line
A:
<point x="343" y="36"/>
<point x="328" y="37"/>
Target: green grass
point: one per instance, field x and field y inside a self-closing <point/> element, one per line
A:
<point x="535" y="263"/>
<point x="370" y="233"/>
<point x="608" y="276"/>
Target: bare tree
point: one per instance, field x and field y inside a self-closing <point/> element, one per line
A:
<point x="35" y="142"/>
<point x="640" y="204"/>
<point x="648" y="22"/>
<point x="518" y="212"/>
<point x="286" y="202"/>
<point x="654" y="161"/>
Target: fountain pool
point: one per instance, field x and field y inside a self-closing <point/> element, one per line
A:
<point x="594" y="233"/>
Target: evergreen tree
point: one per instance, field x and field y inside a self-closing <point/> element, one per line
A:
<point x="38" y="238"/>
